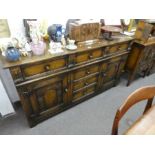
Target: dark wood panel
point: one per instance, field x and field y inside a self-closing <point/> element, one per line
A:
<point x="140" y="60"/>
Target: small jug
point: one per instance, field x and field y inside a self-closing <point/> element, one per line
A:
<point x="12" y="54"/>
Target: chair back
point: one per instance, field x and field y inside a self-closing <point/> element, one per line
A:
<point x="144" y="93"/>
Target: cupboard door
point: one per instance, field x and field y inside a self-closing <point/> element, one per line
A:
<point x="47" y="95"/>
<point x="110" y="73"/>
<point x="121" y="68"/>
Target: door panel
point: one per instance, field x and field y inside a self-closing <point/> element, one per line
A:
<point x="109" y="71"/>
<point x="47" y="94"/>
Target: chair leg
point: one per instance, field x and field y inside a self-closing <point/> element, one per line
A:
<point x="148" y="105"/>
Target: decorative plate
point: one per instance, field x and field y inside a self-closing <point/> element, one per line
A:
<point x="73" y="47"/>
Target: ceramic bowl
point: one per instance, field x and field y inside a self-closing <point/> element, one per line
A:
<point x="39" y="48"/>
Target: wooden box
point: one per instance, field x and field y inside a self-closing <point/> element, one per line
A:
<point x="80" y="31"/>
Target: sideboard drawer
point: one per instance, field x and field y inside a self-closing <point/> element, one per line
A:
<point x="123" y="46"/>
<point x="84" y="92"/>
<point x="88" y="56"/>
<point x="81" y="73"/>
<point x="116" y="48"/>
<point x="96" y="54"/>
<point x="85" y="82"/>
<point x="111" y="49"/>
<point x="16" y="74"/>
<point x="44" y="67"/>
<point x="78" y="95"/>
<point x="90" y="90"/>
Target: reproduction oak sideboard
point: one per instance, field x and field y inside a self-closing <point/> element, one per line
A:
<point x="52" y="83"/>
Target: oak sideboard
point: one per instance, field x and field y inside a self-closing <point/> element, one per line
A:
<point x="52" y="83"/>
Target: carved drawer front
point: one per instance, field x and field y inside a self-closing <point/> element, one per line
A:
<point x="121" y="66"/>
<point x="78" y="95"/>
<point x="88" y="56"/>
<point x="96" y="54"/>
<point x="81" y="73"/>
<point x="45" y="96"/>
<point x="116" y="48"/>
<point x="84" y="92"/>
<point x="85" y="82"/>
<point x="90" y="90"/>
<point x="111" y="49"/>
<point x="16" y="74"/>
<point x="78" y="85"/>
<point x="44" y="67"/>
<point x="123" y="47"/>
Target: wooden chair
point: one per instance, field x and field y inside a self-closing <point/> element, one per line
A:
<point x="144" y="93"/>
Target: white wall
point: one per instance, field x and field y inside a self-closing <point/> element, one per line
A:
<point x="16" y="27"/>
<point x="6" y="107"/>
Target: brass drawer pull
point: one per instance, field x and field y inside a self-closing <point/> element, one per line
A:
<point x="66" y="90"/>
<point x="47" y="67"/>
<point x="129" y="48"/>
<point x="88" y="72"/>
<point x="90" y="56"/>
<point x="104" y="74"/>
<point x="119" y="48"/>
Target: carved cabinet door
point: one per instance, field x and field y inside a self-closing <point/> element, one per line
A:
<point x="45" y="96"/>
<point x="121" y="68"/>
<point x="110" y="73"/>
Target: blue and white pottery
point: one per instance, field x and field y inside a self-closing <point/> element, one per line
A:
<point x="12" y="54"/>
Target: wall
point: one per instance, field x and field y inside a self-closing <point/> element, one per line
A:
<point x="16" y="29"/>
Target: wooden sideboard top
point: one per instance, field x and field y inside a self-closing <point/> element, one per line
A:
<point x="99" y="44"/>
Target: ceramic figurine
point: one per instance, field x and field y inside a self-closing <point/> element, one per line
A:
<point x="63" y="41"/>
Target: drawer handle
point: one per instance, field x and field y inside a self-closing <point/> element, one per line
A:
<point x="27" y="93"/>
<point x="119" y="48"/>
<point x="104" y="74"/>
<point x="122" y="71"/>
<point x="66" y="90"/>
<point x="47" y="67"/>
<point x="129" y="48"/>
<point x="90" y="56"/>
<point x="86" y="83"/>
<point x="88" y="72"/>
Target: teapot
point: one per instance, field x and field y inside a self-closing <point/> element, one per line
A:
<point x="12" y="53"/>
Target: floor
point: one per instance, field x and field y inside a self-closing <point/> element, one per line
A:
<point x="92" y="117"/>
